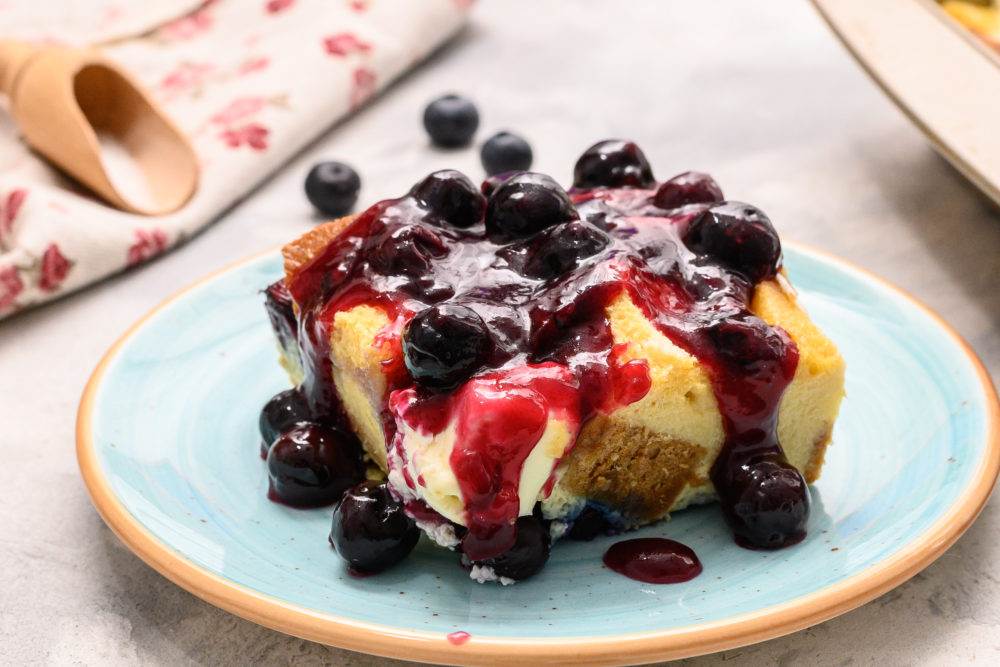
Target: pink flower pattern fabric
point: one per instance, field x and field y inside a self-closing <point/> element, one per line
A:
<point x="250" y="81"/>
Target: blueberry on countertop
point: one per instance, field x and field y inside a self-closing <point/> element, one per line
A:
<point x="505" y="152"/>
<point x="332" y="187"/>
<point x="451" y="120"/>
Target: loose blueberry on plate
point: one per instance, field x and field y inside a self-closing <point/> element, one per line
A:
<point x="370" y="530"/>
<point x="691" y="187"/>
<point x="284" y="410"/>
<point x="529" y="553"/>
<point x="451" y="120"/>
<point x="311" y="465"/>
<point x="613" y="163"/>
<point x="560" y="249"/>
<point x="525" y="204"/>
<point x="449" y="195"/>
<point x="445" y="344"/>
<point x="504" y="152"/>
<point x="770" y="506"/>
<point x="332" y="187"/>
<point x="738" y="236"/>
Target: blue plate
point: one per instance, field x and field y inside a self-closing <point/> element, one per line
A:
<point x="168" y="447"/>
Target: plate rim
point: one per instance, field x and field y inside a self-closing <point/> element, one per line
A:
<point x="634" y="648"/>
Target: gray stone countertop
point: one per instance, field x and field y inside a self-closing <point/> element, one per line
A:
<point x="759" y="94"/>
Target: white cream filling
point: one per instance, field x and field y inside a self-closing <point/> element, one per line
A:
<point x="427" y="459"/>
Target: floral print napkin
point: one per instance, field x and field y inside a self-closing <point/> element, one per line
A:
<point x="250" y="81"/>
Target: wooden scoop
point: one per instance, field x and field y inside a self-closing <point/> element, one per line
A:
<point x="93" y="121"/>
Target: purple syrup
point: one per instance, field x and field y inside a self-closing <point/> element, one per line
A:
<point x="359" y="574"/>
<point x="653" y="560"/>
<point x="550" y="335"/>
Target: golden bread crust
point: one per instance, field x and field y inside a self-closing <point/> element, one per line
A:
<point x="304" y="249"/>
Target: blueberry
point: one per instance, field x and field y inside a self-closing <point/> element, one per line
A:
<point x="691" y="187"/>
<point x="450" y="196"/>
<point x="370" y="530"/>
<point x="525" y="204"/>
<point x="770" y="505"/>
<point x="493" y="182"/>
<point x="405" y="249"/>
<point x="505" y="152"/>
<point x="311" y="465"/>
<point x="451" y="120"/>
<point x="589" y="524"/>
<point x="613" y="163"/>
<point x="332" y="187"/>
<point x="529" y="553"/>
<point x="737" y="236"/>
<point x="560" y="249"/>
<point x="749" y="343"/>
<point x="445" y="344"/>
<point x="281" y="413"/>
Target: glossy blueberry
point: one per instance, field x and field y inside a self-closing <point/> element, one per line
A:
<point x="560" y="249"/>
<point x="332" y="187"/>
<point x="311" y="465"/>
<point x="770" y="505"/>
<point x="451" y="120"/>
<point x="491" y="183"/>
<point x="691" y="187"/>
<point x="529" y="553"/>
<point x="449" y="195"/>
<point x="525" y="204"/>
<point x="504" y="152"/>
<point x="445" y="344"/>
<point x="613" y="163"/>
<point x="282" y="412"/>
<point x="750" y="344"/>
<point x="370" y="530"/>
<point x="405" y="250"/>
<point x="737" y="236"/>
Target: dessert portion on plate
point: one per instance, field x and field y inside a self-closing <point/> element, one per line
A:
<point x="521" y="363"/>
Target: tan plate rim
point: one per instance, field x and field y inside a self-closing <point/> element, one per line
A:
<point x="613" y="649"/>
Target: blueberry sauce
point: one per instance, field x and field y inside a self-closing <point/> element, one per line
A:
<point x="653" y="560"/>
<point x="541" y="292"/>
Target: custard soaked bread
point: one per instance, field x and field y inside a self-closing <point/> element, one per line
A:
<point x="584" y="362"/>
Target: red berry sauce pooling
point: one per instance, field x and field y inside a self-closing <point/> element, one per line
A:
<point x="497" y="314"/>
<point x="459" y="637"/>
<point x="653" y="560"/>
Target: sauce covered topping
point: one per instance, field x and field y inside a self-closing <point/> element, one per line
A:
<point x="498" y="316"/>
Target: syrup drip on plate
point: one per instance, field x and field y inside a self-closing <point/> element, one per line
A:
<point x="653" y="560"/>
